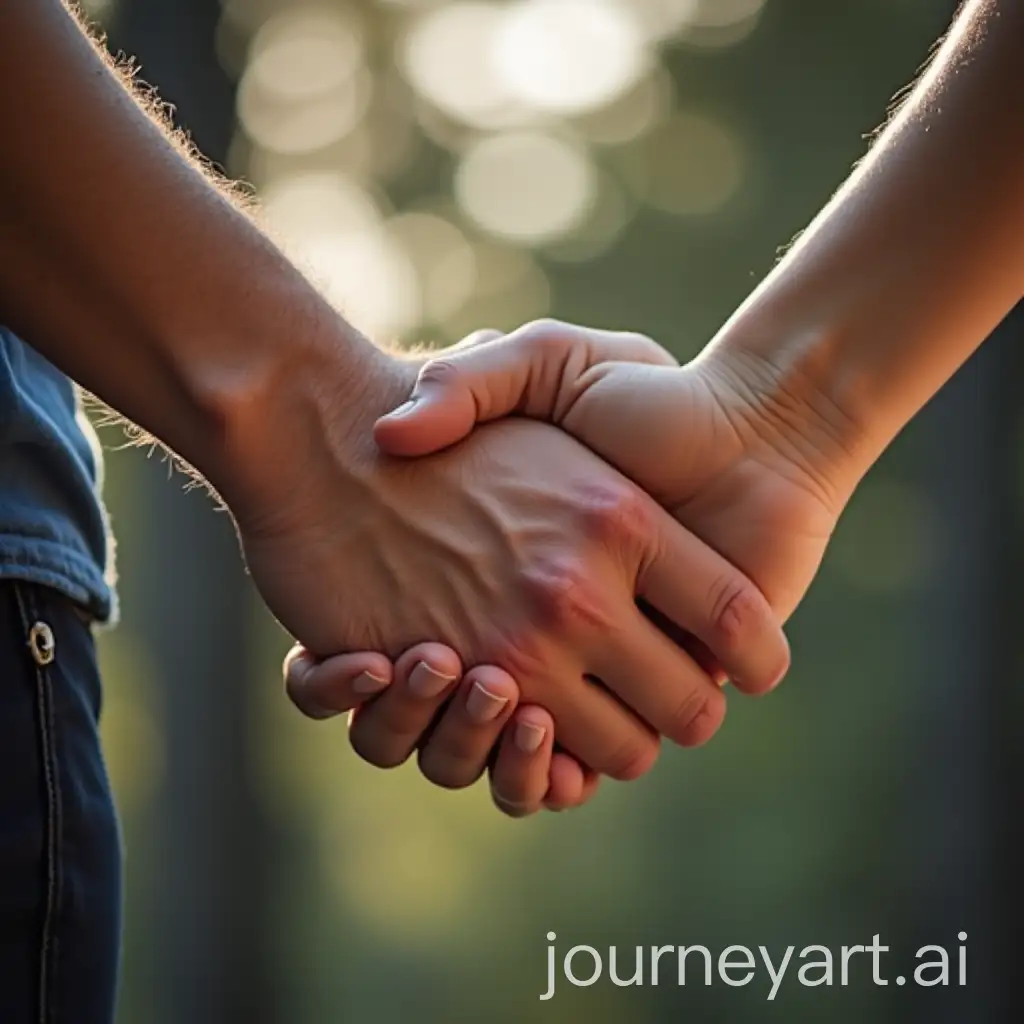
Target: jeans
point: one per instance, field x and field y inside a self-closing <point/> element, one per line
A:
<point x="60" y="846"/>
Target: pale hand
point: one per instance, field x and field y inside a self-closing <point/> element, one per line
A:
<point x="754" y="472"/>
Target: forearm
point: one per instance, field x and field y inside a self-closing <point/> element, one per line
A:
<point x="131" y="271"/>
<point x="917" y="258"/>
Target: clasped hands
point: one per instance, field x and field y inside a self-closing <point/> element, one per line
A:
<point x="523" y="606"/>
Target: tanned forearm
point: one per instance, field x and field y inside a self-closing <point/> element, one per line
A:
<point x="134" y="272"/>
<point x="917" y="258"/>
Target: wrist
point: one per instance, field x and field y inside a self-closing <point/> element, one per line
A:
<point x="800" y="392"/>
<point x="302" y="404"/>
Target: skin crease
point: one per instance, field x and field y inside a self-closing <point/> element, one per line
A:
<point x="520" y="548"/>
<point x="757" y="444"/>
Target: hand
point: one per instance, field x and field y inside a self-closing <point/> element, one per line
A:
<point x="752" y="470"/>
<point x="519" y="549"/>
<point x="420" y="703"/>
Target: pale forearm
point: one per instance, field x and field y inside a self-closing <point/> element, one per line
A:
<point x="918" y="257"/>
<point x="130" y="270"/>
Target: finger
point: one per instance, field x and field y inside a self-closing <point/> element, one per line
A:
<point x="322" y="689"/>
<point x="456" y="753"/>
<point x="659" y="681"/>
<point x="699" y="590"/>
<point x="687" y="641"/>
<point x="481" y="337"/>
<point x="570" y="784"/>
<point x="533" y="371"/>
<point x="388" y="730"/>
<point x="594" y="726"/>
<point x="519" y="777"/>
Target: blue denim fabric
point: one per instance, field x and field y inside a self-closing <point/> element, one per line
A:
<point x="53" y="529"/>
<point x="60" y="847"/>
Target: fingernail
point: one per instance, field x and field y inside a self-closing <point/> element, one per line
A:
<point x="508" y="805"/>
<point x="404" y="409"/>
<point x="529" y="737"/>
<point x="367" y="682"/>
<point x="298" y="668"/>
<point x="425" y="681"/>
<point x="482" y="705"/>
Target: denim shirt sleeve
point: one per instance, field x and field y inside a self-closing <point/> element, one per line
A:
<point x="54" y="530"/>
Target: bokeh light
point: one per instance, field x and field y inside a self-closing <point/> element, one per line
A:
<point x="444" y="260"/>
<point x="631" y="115"/>
<point x="539" y="107"/>
<point x="369" y="277"/>
<point x="511" y="288"/>
<point x="305" y="86"/>
<point x="333" y="229"/>
<point x="306" y="206"/>
<point x="527" y="186"/>
<point x="448" y="58"/>
<point x="725" y="13"/>
<point x="568" y="56"/>
<point x="716" y="24"/>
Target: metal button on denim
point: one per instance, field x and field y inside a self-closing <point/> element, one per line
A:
<point x="42" y="642"/>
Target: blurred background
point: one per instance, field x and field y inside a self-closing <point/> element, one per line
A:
<point x="442" y="166"/>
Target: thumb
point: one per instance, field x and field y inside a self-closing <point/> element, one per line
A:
<point x="440" y="411"/>
<point x="460" y="389"/>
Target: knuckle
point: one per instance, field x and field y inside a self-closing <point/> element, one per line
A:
<point x="442" y="371"/>
<point x="738" y="614"/>
<point x="647" y="350"/>
<point x="545" y="339"/>
<point x="481" y="337"/>
<point x="632" y="759"/>
<point x="453" y="758"/>
<point x="304" y="702"/>
<point x="544" y="325"/>
<point x="367" y="746"/>
<point x="694" y="719"/>
<point x="447" y="769"/>
<point x="613" y="512"/>
<point x="642" y="343"/>
<point x="523" y="655"/>
<point x="567" y="598"/>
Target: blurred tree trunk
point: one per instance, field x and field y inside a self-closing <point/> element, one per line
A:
<point x="191" y="603"/>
